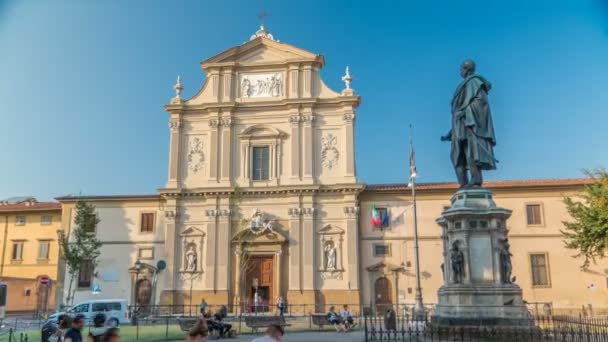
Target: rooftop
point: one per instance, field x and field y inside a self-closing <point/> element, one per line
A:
<point x="29" y="204"/>
<point x="490" y="185"/>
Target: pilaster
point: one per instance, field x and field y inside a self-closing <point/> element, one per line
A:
<point x="349" y="136"/>
<point x="308" y="245"/>
<point x="175" y="125"/>
<point x="223" y="248"/>
<point x="214" y="124"/>
<point x="211" y="255"/>
<point x="226" y="150"/>
<point x="294" y="121"/>
<point x="295" y="249"/>
<point x="351" y="217"/>
<point x="308" y="145"/>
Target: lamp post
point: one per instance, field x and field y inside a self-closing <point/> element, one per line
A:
<point x="136" y="284"/>
<point x="418" y="305"/>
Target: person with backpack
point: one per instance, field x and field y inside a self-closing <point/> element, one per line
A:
<point x="96" y="333"/>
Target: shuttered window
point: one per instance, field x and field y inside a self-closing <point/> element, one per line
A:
<point x="85" y="273"/>
<point x="261" y="163"/>
<point x="147" y="223"/>
<point x="17" y="251"/>
<point x="533" y="213"/>
<point x="540" y="270"/>
<point x="43" y="250"/>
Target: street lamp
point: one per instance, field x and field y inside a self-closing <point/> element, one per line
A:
<point x="418" y="306"/>
<point x="137" y="270"/>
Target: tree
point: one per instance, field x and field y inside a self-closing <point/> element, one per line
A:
<point x="83" y="245"/>
<point x="588" y="232"/>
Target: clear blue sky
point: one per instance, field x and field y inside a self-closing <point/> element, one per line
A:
<point x="82" y="83"/>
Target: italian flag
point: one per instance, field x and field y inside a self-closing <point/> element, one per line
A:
<point x="376" y="221"/>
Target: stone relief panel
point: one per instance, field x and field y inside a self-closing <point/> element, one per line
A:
<point x="261" y="85"/>
<point x="196" y="154"/>
<point x="329" y="151"/>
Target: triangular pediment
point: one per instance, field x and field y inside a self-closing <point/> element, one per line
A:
<point x="331" y="230"/>
<point x="262" y="51"/>
<point x="192" y="231"/>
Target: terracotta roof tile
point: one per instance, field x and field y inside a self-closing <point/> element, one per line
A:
<point x="491" y="184"/>
<point x="27" y="206"/>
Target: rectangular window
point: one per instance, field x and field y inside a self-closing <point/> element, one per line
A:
<point x="20" y="220"/>
<point x="382" y="250"/>
<point x="261" y="163"/>
<point x="540" y="269"/>
<point x="46" y="220"/>
<point x="147" y="223"/>
<point x="85" y="274"/>
<point x="17" y="251"/>
<point x="533" y="213"/>
<point x="146" y="253"/>
<point x="43" y="249"/>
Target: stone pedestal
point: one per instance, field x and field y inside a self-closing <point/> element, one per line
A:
<point x="477" y="286"/>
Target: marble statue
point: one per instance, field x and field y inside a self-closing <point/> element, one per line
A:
<point x="330" y="256"/>
<point x="191" y="259"/>
<point x="457" y="258"/>
<point x="506" y="267"/>
<point x="472" y="134"/>
<point x="347" y="78"/>
<point x="256" y="219"/>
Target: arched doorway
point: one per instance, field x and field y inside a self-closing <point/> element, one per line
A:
<point x="383" y="294"/>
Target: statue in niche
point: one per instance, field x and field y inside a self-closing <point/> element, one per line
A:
<point x="330" y="256"/>
<point x="191" y="258"/>
<point x="457" y="259"/>
<point x="505" y="262"/>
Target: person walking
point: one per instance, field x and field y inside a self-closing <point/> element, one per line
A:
<point x="281" y="305"/>
<point x="202" y="306"/>
<point x="96" y="334"/>
<point x="274" y="333"/>
<point x="53" y="331"/>
<point x="74" y="333"/>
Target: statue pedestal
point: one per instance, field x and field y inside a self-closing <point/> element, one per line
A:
<point x="477" y="287"/>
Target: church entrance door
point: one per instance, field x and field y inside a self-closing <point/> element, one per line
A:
<point x="260" y="283"/>
<point x="383" y="294"/>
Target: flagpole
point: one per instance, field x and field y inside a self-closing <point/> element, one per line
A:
<point x="418" y="305"/>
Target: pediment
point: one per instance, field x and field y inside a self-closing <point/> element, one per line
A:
<point x="249" y="236"/>
<point x="262" y="51"/>
<point x="192" y="231"/>
<point x="331" y="230"/>
<point x="261" y="131"/>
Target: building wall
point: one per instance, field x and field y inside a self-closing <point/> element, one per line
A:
<point x="119" y="232"/>
<point x="569" y="287"/>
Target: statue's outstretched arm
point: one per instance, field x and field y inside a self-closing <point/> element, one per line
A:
<point x="447" y="137"/>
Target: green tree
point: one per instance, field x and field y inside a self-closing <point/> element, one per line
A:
<point x="588" y="232"/>
<point x="82" y="246"/>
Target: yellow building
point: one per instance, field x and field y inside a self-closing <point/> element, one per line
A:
<point x="29" y="251"/>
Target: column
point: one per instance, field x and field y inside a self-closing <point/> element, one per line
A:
<point x="295" y="250"/>
<point x="213" y="149"/>
<point x="223" y="249"/>
<point x="308" y="247"/>
<point x="210" y="270"/>
<point x="171" y="250"/>
<point x="175" y="128"/>
<point x="352" y="241"/>
<point x="294" y="121"/>
<point x="349" y="146"/>
<point x="308" y="146"/>
<point x="226" y="150"/>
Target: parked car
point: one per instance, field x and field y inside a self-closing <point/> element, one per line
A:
<point x="116" y="310"/>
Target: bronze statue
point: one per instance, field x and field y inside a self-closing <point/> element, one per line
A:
<point x="506" y="267"/>
<point x="472" y="133"/>
<point x="457" y="258"/>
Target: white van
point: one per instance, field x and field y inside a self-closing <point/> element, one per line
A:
<point x="116" y="310"/>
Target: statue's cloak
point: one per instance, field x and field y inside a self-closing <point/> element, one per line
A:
<point x="470" y="108"/>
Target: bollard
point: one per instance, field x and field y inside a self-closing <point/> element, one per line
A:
<point x="167" y="329"/>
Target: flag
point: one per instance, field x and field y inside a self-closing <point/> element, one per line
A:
<point x="385" y="218"/>
<point x="375" y="221"/>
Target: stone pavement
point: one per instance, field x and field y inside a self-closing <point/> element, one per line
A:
<point x="309" y="336"/>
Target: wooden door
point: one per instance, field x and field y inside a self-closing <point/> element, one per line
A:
<point x="266" y="276"/>
<point x="383" y="292"/>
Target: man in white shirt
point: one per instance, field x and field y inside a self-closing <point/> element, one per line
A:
<point x="274" y="333"/>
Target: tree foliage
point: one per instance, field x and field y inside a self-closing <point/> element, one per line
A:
<point x="588" y="232"/>
<point x="82" y="245"/>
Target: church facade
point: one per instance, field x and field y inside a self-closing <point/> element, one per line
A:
<point x="262" y="201"/>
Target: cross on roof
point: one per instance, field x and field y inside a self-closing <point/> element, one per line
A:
<point x="262" y="16"/>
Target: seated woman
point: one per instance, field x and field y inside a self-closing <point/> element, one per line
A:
<point x="334" y="318"/>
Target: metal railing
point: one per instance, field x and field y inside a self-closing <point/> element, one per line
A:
<point x="541" y="328"/>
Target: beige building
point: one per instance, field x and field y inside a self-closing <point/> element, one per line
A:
<point x="262" y="201"/>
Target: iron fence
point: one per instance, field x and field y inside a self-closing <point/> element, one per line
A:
<point x="541" y="328"/>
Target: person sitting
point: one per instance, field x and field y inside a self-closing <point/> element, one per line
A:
<point x="219" y="316"/>
<point x="96" y="333"/>
<point x="334" y="318"/>
<point x="347" y="318"/>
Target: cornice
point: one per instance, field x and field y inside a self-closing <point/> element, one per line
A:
<point x="252" y="191"/>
